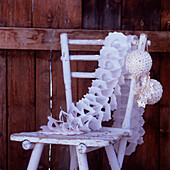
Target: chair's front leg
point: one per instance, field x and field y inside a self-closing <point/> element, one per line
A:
<point x="113" y="161"/>
<point x="82" y="157"/>
<point x="35" y="156"/>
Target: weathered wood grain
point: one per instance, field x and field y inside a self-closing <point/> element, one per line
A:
<point x="97" y="14"/>
<point x="145" y="15"/>
<point x="21" y="100"/>
<point x="15" y="13"/>
<point x="45" y="14"/>
<point x="57" y="13"/>
<point x="43" y="97"/>
<point x="165" y="15"/>
<point x="164" y="113"/>
<point x="90" y="17"/>
<point x="101" y="14"/>
<point x="20" y="83"/>
<point x="141" y="15"/>
<point x="3" y="95"/>
<point x="3" y="116"/>
<point x="42" y="87"/>
<point x="165" y="102"/>
<point x="46" y="39"/>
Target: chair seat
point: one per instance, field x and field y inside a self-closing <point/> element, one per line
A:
<point x="91" y="139"/>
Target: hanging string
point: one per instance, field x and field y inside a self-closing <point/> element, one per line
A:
<point x="51" y="85"/>
<point x="51" y="95"/>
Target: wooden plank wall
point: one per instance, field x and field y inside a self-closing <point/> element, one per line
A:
<point x="145" y="15"/>
<point x="24" y="78"/>
<point x="165" y="102"/>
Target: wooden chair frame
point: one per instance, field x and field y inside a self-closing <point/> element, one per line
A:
<point x="82" y="144"/>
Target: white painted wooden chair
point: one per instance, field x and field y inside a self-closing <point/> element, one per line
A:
<point x="81" y="144"/>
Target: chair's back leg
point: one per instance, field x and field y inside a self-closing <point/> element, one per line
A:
<point x="67" y="82"/>
<point x="127" y="119"/>
<point x="112" y="157"/>
<point x="73" y="158"/>
<point x="66" y="69"/>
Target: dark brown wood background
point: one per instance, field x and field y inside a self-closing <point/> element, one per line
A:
<point x="24" y="78"/>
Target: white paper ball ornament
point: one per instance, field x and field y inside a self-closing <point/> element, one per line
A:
<point x="156" y="92"/>
<point x="138" y="63"/>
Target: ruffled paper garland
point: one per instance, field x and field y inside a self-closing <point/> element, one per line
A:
<point x="137" y="120"/>
<point x="96" y="106"/>
<point x="107" y="93"/>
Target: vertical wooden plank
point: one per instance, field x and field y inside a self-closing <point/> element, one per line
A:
<point x="3" y="13"/>
<point x="15" y="13"/>
<point x="21" y="100"/>
<point x="59" y="99"/>
<point x="90" y="14"/>
<point x="110" y="14"/>
<point x="43" y="16"/>
<point x="3" y="116"/>
<point x="3" y="95"/>
<point x="60" y="153"/>
<point x="43" y="98"/>
<point x="42" y="87"/>
<point x="165" y="103"/>
<point x="20" y="83"/>
<point x="164" y="113"/>
<point x="141" y="15"/>
<point x="98" y="14"/>
<point x="165" y="15"/>
<point x="101" y="14"/>
<point x="145" y="15"/>
<point x="57" y="13"/>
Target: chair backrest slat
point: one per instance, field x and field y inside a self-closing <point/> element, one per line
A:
<point x="85" y="42"/>
<point x="82" y="75"/>
<point x="85" y="57"/>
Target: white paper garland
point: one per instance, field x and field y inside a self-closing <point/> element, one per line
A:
<point x="88" y="113"/>
<point x="106" y="94"/>
<point x="137" y="120"/>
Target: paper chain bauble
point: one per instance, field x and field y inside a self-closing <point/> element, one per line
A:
<point x="138" y="62"/>
<point x="148" y="91"/>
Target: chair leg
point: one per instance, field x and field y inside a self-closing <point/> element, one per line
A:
<point x="82" y="160"/>
<point x="35" y="156"/>
<point x="73" y="158"/>
<point x="113" y="161"/>
<point x="121" y="150"/>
